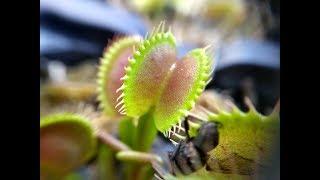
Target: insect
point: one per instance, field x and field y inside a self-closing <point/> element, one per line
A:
<point x="191" y="154"/>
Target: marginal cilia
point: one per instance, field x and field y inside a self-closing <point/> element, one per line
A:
<point x="177" y="131"/>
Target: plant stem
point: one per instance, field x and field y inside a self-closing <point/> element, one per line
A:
<point x="136" y="156"/>
<point x="112" y="142"/>
<point x="106" y="163"/>
<point x="126" y="154"/>
<point x="142" y="140"/>
<point x="145" y="133"/>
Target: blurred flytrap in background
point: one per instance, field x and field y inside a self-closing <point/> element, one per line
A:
<point x="159" y="89"/>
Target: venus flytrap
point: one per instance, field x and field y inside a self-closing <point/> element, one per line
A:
<point x="144" y="80"/>
<point x="67" y="141"/>
<point x="116" y="57"/>
<point x="247" y="139"/>
<point x="156" y="93"/>
<point x="155" y="82"/>
<point x="155" y="79"/>
<point x="158" y="90"/>
<point x="111" y="69"/>
<point x="246" y="144"/>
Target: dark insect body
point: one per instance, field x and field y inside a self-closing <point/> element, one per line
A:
<point x="192" y="153"/>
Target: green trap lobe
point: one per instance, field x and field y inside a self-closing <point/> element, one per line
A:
<point x="149" y="80"/>
<point x="114" y="81"/>
<point x="174" y="95"/>
<point x="66" y="142"/>
<point x="111" y="70"/>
